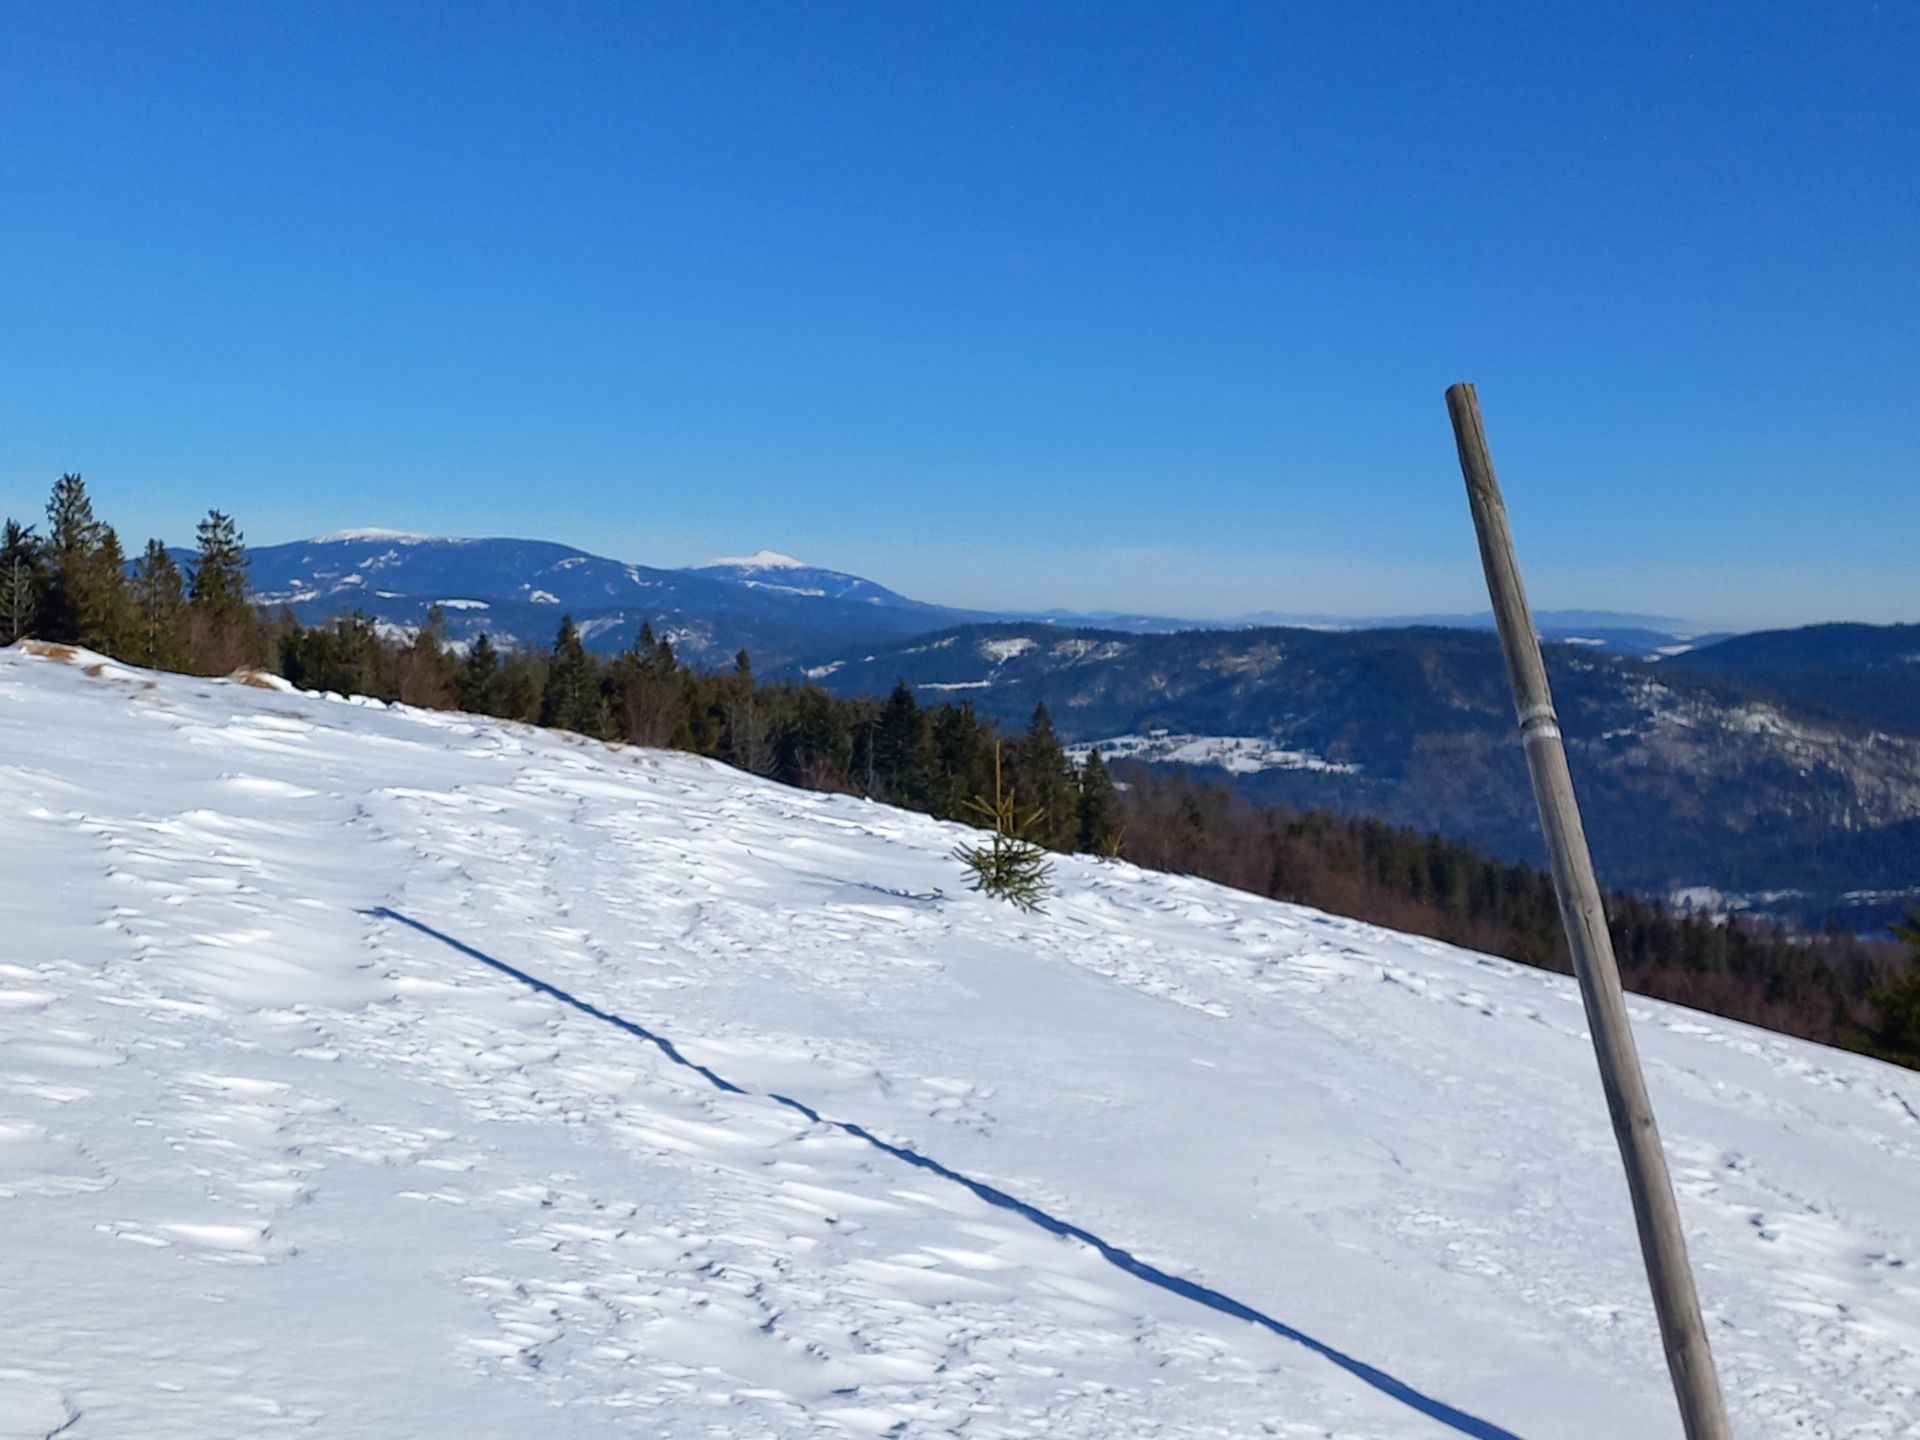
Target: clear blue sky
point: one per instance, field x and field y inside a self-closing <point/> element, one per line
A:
<point x="1141" y="306"/>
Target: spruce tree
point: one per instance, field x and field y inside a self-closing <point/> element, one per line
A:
<point x="1010" y="865"/>
<point x="220" y="612"/>
<point x="220" y="568"/>
<point x="962" y="759"/>
<point x="1042" y="774"/>
<point x="1895" y="1034"/>
<point x="106" y="604"/>
<point x="85" y="602"/>
<point x="747" y="744"/>
<point x="22" y="577"/>
<point x="423" y="673"/>
<point x="571" y="699"/>
<point x="517" y="691"/>
<point x="1102" y="826"/>
<point x="902" y="746"/>
<point x="159" y="604"/>
<point x="650" y="693"/>
<point x="479" y="673"/>
<point x="815" y="743"/>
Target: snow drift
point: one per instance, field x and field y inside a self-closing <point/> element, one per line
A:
<point x="375" y="1072"/>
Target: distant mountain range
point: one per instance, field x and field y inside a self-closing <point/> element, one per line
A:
<point x="775" y="607"/>
<point x="782" y="610"/>
<point x="1779" y="768"/>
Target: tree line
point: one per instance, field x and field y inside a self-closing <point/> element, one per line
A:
<point x="73" y="584"/>
<point x="1834" y="988"/>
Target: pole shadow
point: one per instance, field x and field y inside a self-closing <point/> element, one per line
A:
<point x="1389" y="1385"/>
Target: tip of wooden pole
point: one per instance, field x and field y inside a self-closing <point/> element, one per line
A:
<point x="1459" y="388"/>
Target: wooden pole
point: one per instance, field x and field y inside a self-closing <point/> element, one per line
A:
<point x="1662" y="1242"/>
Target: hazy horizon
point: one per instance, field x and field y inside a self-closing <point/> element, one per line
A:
<point x="1657" y="618"/>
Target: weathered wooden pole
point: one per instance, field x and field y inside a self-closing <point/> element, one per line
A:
<point x="1662" y="1242"/>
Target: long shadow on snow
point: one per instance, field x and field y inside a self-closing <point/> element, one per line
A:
<point x="1470" y="1425"/>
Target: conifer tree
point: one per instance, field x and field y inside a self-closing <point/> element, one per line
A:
<point x="479" y="673"/>
<point x="1042" y="774"/>
<point x="902" y="746"/>
<point x="571" y="699"/>
<point x="22" y="576"/>
<point x="345" y="656"/>
<point x="159" y="604"/>
<point x="106" y="603"/>
<point x="963" y="759"/>
<point x="1895" y="1001"/>
<point x="423" y="673"/>
<point x="746" y="742"/>
<point x="1010" y="865"/>
<point x="85" y="598"/>
<point x="220" y="613"/>
<point x="220" y="568"/>
<point x="649" y="692"/>
<point x="517" y="691"/>
<point x="71" y="526"/>
<point x="815" y="744"/>
<point x="1102" y="826"/>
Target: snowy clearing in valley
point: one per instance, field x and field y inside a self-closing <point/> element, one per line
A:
<point x="369" y="1072"/>
<point x="1237" y="754"/>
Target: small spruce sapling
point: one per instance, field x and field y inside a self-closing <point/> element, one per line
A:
<point x="1009" y="865"/>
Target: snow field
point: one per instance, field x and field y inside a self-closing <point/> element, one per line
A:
<point x="376" y="1072"/>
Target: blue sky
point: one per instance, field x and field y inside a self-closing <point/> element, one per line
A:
<point x="1105" y="305"/>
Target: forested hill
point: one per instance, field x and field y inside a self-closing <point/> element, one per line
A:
<point x="1687" y="780"/>
<point x="1869" y="671"/>
<point x="516" y="591"/>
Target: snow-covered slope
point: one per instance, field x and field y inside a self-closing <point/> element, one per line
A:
<point x="376" y="1073"/>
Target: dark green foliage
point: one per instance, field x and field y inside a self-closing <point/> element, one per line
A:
<point x="1010" y="866"/>
<point x="814" y="743"/>
<point x="424" y="673"/>
<point x="902" y="748"/>
<point x="220" y="566"/>
<point x="1041" y="772"/>
<point x="963" y="759"/>
<point x="1102" y="825"/>
<point x="650" y="693"/>
<point x="1894" y="1030"/>
<point x="571" y="699"/>
<point x="344" y="657"/>
<point x="744" y="739"/>
<point x="106" y="606"/>
<point x="84" y="600"/>
<point x="223" y="634"/>
<point x="22" y="581"/>
<point x="517" y="692"/>
<point x="159" y="606"/>
<point x="475" y="689"/>
<point x="73" y="536"/>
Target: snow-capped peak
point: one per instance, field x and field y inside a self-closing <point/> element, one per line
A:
<point x="759" y="560"/>
<point x="372" y="532"/>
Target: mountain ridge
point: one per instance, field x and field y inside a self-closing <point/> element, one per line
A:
<point x="1686" y="779"/>
<point x="800" y="607"/>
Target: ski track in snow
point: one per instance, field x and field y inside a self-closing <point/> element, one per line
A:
<point x="377" y="1072"/>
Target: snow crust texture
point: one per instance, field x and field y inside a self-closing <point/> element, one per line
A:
<point x="367" y="1072"/>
